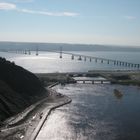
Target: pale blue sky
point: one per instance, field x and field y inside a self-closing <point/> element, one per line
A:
<point x="71" y="21"/>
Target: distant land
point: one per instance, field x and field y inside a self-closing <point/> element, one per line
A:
<point x="65" y="47"/>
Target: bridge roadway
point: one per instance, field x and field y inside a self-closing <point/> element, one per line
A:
<point x="93" y="81"/>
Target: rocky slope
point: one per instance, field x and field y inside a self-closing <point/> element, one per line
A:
<point x="19" y="88"/>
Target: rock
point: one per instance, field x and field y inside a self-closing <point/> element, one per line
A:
<point x="118" y="93"/>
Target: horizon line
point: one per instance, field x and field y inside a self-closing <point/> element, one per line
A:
<point x="68" y="43"/>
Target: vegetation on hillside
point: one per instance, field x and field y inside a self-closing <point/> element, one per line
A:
<point x="19" y="88"/>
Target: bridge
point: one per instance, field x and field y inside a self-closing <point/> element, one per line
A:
<point x="93" y="81"/>
<point x="101" y="60"/>
<point x="81" y="57"/>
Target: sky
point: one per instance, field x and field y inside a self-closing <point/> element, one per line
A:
<point x="109" y="22"/>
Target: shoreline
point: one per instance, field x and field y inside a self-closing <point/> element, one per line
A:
<point x="46" y="115"/>
<point x="33" y="118"/>
<point x="124" y="77"/>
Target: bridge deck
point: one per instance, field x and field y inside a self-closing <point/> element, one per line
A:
<point x="94" y="81"/>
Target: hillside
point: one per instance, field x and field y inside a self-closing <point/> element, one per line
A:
<point x="66" y="47"/>
<point x="19" y="88"/>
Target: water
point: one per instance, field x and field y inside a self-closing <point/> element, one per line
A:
<point x="48" y="62"/>
<point x="95" y="114"/>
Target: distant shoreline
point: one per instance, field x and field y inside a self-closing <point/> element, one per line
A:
<point x="124" y="77"/>
<point x="67" y="46"/>
<point x="93" y="71"/>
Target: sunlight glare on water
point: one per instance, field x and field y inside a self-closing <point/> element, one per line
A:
<point x="48" y="62"/>
<point x="95" y="114"/>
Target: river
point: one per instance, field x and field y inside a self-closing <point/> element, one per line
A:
<point x="95" y="114"/>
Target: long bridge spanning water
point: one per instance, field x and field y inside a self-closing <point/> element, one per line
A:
<point x="81" y="57"/>
<point x="101" y="60"/>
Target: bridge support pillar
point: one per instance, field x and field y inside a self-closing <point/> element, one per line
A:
<point x="72" y="57"/>
<point x="102" y="61"/>
<point x="90" y="59"/>
<point x="96" y="60"/>
<point x="108" y="62"/>
<point x="80" y="58"/>
<point x="126" y="64"/>
<point x="85" y="59"/>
